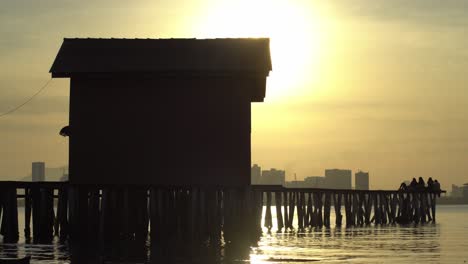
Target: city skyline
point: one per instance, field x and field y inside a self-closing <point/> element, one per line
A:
<point x="57" y="172"/>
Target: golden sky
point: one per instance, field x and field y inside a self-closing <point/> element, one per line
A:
<point x="361" y="84"/>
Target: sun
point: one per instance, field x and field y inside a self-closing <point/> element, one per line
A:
<point x="293" y="29"/>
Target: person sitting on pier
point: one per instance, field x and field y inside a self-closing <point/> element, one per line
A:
<point x="421" y="185"/>
<point x="413" y="184"/>
<point x="403" y="187"/>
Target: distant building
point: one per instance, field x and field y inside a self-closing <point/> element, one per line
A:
<point x="314" y="182"/>
<point x="457" y="191"/>
<point x="338" y="179"/>
<point x="273" y="177"/>
<point x="361" y="180"/>
<point x="465" y="191"/>
<point x="294" y="184"/>
<point x="38" y="171"/>
<point x="55" y="174"/>
<point x="256" y="174"/>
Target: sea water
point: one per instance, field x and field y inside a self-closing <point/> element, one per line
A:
<point x="443" y="242"/>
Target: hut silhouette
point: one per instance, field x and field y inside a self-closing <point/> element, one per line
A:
<point x="162" y="111"/>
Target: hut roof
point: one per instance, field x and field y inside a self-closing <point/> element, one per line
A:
<point x="205" y="56"/>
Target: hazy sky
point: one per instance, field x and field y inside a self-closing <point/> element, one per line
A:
<point x="360" y="84"/>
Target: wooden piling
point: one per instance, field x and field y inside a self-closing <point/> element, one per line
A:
<point x="300" y="213"/>
<point x="304" y="209"/>
<point x="337" y="205"/>
<point x="393" y="207"/>
<point x="27" y="213"/>
<point x="279" y="215"/>
<point x="292" y="205"/>
<point x="268" y="220"/>
<point x="354" y="208"/>
<point x="368" y="208"/>
<point x="326" y="209"/>
<point x="9" y="228"/>
<point x="285" y="210"/>
<point x="375" y="198"/>
<point x="360" y="216"/>
<point x="347" y="204"/>
<point x="62" y="213"/>
<point x="384" y="205"/>
<point x="310" y="212"/>
<point x="258" y="200"/>
<point x="318" y="196"/>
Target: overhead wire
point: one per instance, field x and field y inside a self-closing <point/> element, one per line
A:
<point x="14" y="109"/>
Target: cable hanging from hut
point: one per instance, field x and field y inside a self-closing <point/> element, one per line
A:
<point x="27" y="101"/>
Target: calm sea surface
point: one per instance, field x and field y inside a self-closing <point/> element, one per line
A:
<point x="444" y="242"/>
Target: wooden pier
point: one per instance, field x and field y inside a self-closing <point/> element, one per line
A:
<point x="196" y="214"/>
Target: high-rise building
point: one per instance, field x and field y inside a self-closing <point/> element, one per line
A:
<point x="361" y="180"/>
<point x="273" y="177"/>
<point x="256" y="174"/>
<point x="38" y="171"/>
<point x="338" y="179"/>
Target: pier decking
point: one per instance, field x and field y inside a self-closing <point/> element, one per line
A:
<point x="194" y="214"/>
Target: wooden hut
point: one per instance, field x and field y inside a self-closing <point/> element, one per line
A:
<point x="162" y="111"/>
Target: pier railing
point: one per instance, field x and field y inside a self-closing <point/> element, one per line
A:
<point x="196" y="213"/>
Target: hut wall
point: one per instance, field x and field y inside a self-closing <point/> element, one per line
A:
<point x="165" y="130"/>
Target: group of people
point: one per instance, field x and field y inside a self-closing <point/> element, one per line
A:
<point x="420" y="185"/>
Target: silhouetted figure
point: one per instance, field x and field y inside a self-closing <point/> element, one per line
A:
<point x="413" y="185"/>
<point x="436" y="187"/>
<point x="430" y="184"/>
<point x="403" y="187"/>
<point x="421" y="184"/>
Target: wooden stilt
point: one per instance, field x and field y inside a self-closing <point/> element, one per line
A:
<point x="348" y="204"/>
<point x="279" y="216"/>
<point x="360" y="216"/>
<point x="375" y="198"/>
<point x="27" y="213"/>
<point x="318" y="208"/>
<point x="292" y="205"/>
<point x="300" y="212"/>
<point x="337" y="205"/>
<point x="327" y="208"/>
<point x="368" y="208"/>
<point x="310" y="211"/>
<point x="286" y="211"/>
<point x="355" y="208"/>
<point x="9" y="227"/>
<point x="259" y="210"/>
<point x="268" y="220"/>
<point x="62" y="213"/>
